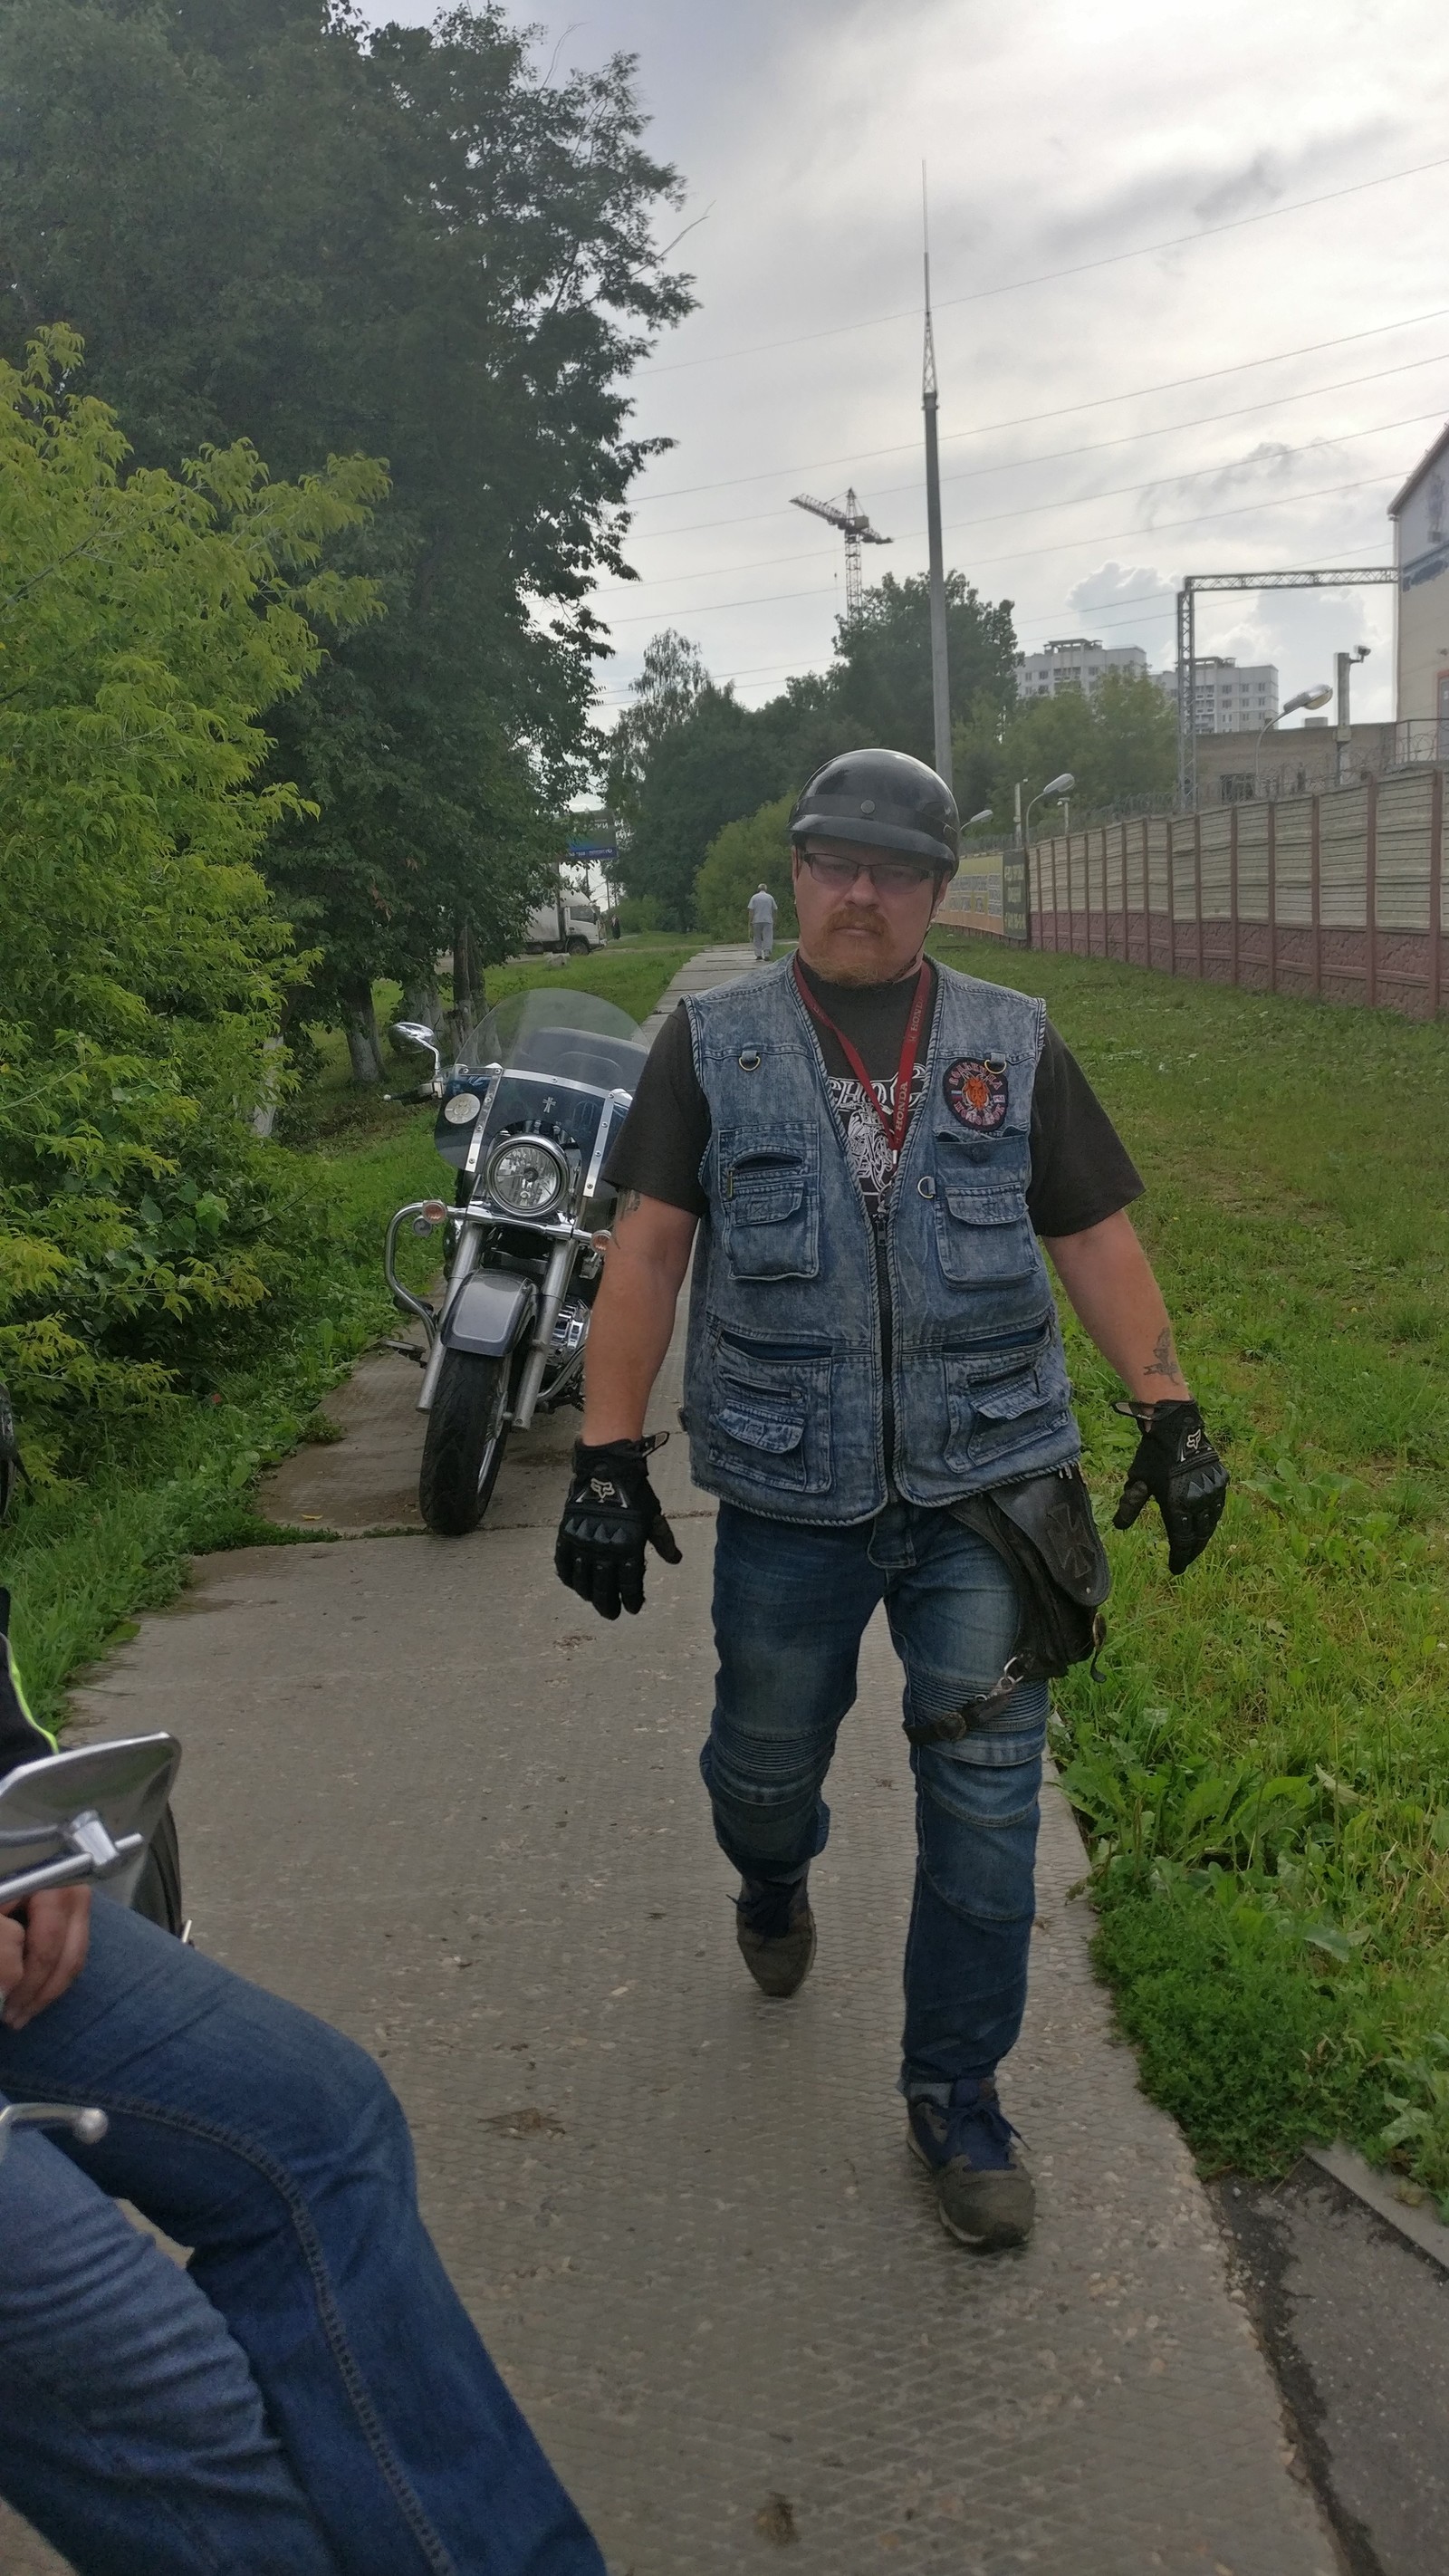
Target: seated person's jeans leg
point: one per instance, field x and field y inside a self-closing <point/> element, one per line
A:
<point x="131" y="2429"/>
<point x="275" y="2148"/>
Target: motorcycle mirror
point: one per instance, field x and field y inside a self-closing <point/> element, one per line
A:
<point x="87" y="1815"/>
<point x="418" y="1034"/>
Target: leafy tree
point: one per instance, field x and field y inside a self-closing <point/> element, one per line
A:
<point x="740" y="858"/>
<point x="1119" y="742"/>
<point x="881" y="677"/>
<point x="664" y="694"/>
<point x="695" y="761"/>
<point x="146" y="622"/>
<point x="272" y="222"/>
<point x="711" y="769"/>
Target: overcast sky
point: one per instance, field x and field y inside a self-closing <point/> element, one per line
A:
<point x="1159" y="153"/>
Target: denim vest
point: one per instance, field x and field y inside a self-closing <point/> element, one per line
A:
<point x="784" y="1400"/>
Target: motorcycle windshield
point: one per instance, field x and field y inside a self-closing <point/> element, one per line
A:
<point x="572" y="1037"/>
<point x="562" y="1053"/>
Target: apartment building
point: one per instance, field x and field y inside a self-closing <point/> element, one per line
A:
<point x="1075" y="662"/>
<point x="1230" y="698"/>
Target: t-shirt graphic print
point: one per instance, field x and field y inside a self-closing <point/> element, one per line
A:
<point x="867" y="1146"/>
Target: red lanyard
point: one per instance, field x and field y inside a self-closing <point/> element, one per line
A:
<point x="894" y="1127"/>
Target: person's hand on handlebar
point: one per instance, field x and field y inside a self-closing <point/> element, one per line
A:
<point x="43" y="1944"/>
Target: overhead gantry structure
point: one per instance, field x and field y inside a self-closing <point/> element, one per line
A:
<point x="1331" y="577"/>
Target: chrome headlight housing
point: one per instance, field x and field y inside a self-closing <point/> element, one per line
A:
<point x="527" y="1176"/>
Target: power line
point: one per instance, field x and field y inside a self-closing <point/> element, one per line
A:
<point x="1049" y="276"/>
<point x="1038" y="509"/>
<point x="1059" y="455"/>
<point x="1063" y="411"/>
<point x="1117" y="612"/>
<point x="1021" y="554"/>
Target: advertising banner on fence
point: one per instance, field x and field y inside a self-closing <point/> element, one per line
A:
<point x="974" y="896"/>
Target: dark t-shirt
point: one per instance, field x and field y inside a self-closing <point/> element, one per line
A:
<point x="1080" y="1170"/>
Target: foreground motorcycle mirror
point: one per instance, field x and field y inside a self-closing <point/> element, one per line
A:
<point x="417" y="1033"/>
<point x="87" y="1815"/>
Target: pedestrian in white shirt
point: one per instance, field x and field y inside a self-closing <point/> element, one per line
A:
<point x="763" y="908"/>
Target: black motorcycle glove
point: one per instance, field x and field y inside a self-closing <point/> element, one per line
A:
<point x="611" y="1514"/>
<point x="1176" y="1466"/>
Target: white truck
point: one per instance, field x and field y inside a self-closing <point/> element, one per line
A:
<point x="571" y="925"/>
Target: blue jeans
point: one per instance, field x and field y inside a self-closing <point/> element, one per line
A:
<point x="791" y="1605"/>
<point x="309" y="2398"/>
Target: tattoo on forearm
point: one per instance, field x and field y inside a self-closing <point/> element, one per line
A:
<point x="1163" y="1362"/>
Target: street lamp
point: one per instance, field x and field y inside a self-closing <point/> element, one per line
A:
<point x="983" y="817"/>
<point x="1343" y="664"/>
<point x="1318" y="696"/>
<point x="1054" y="787"/>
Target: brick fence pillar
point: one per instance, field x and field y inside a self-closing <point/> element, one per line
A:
<point x="1371" y="892"/>
<point x="1233" y="889"/>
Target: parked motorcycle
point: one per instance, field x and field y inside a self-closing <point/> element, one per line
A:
<point x="72" y="1819"/>
<point x="526" y="1117"/>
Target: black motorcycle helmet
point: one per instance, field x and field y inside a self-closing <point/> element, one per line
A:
<point x="885" y="800"/>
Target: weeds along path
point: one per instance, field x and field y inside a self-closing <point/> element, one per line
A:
<point x="1262" y="1762"/>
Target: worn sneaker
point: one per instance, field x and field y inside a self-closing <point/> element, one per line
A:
<point x="776" y="1932"/>
<point x="983" y="2190"/>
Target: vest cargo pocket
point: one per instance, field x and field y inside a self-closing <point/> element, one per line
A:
<point x="984" y="1235"/>
<point x="1000" y="1404"/>
<point x="768" y="1202"/>
<point x="769" y="1421"/>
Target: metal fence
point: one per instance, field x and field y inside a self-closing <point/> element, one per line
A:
<point x="1339" y="895"/>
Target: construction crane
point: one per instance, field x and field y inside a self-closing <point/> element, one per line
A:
<point x="858" y="532"/>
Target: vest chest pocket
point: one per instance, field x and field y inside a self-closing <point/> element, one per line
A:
<point x="768" y="1201"/>
<point x="983" y="1234"/>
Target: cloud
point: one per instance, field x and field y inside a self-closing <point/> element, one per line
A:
<point x="1056" y="140"/>
<point x="1251" y="189"/>
<point x="1113" y="584"/>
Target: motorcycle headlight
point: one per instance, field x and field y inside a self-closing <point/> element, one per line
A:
<point x="526" y="1176"/>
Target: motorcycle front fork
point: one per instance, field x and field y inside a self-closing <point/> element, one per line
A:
<point x="556" y="1278"/>
<point x="555" y="1285"/>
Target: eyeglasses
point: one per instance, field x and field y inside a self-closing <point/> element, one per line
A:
<point x="888" y="876"/>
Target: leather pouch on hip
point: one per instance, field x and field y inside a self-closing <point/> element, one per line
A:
<point x="1042" y="1527"/>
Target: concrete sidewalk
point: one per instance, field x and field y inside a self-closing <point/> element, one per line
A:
<point x="701" y="973"/>
<point x="430" y="1796"/>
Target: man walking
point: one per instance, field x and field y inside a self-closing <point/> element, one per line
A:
<point x="876" y="1391"/>
<point x="763" y="908"/>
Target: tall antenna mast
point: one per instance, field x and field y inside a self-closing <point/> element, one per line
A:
<point x="858" y="532"/>
<point x="940" y="668"/>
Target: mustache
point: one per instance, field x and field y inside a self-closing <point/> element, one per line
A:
<point x="855" y="916"/>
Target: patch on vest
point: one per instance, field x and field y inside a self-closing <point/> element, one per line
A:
<point x="975" y="1089"/>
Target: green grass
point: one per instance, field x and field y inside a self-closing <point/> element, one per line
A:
<point x="630" y="972"/>
<point x="1262" y="1763"/>
<point x="332" y="1108"/>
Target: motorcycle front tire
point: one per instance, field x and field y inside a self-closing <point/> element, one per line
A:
<point x="464" y="1447"/>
